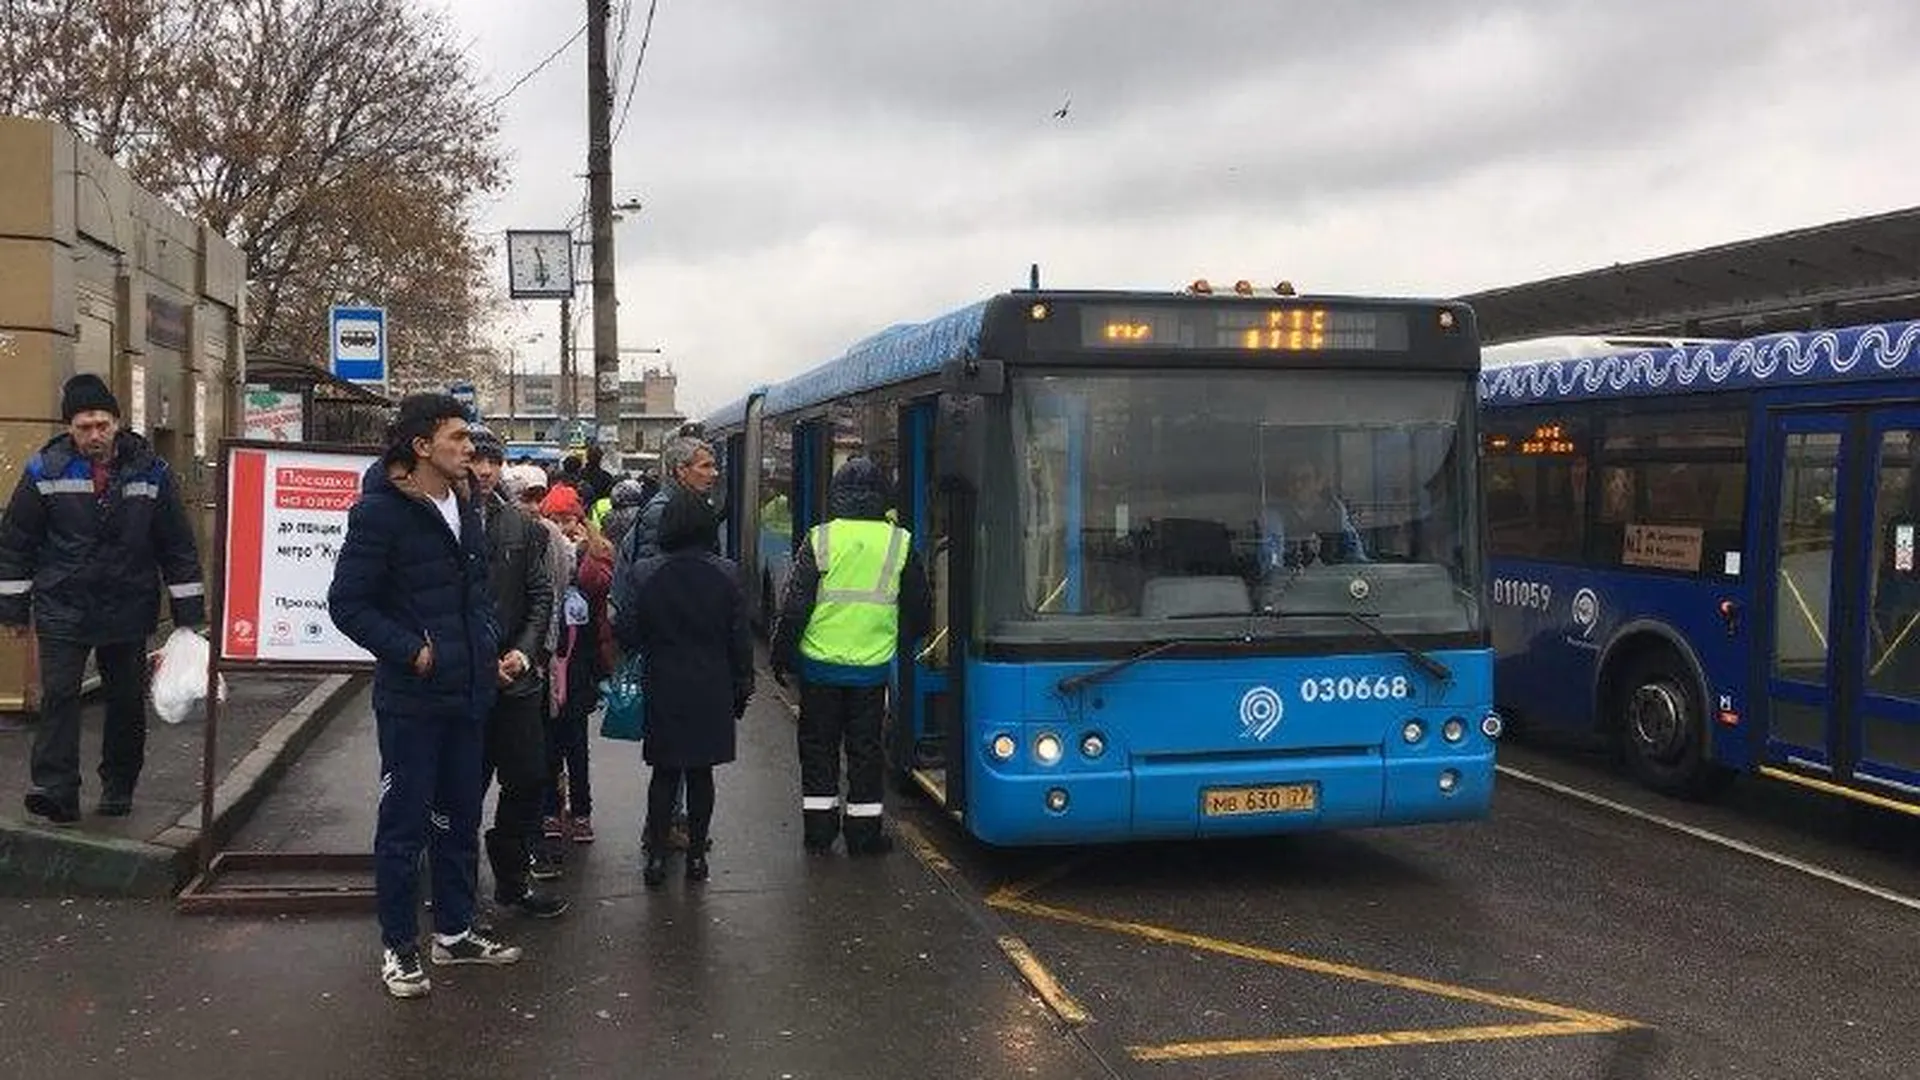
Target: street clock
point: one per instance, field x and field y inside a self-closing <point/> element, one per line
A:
<point x="539" y="263"/>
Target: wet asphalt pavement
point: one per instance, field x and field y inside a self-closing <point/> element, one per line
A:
<point x="1557" y="939"/>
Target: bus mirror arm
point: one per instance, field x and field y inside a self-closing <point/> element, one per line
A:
<point x="974" y="375"/>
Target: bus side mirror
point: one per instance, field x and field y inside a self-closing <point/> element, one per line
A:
<point x="960" y="442"/>
<point x="974" y="375"/>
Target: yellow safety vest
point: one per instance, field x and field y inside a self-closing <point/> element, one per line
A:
<point x="856" y="613"/>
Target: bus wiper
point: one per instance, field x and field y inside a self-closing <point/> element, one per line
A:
<point x="1073" y="683"/>
<point x="1421" y="660"/>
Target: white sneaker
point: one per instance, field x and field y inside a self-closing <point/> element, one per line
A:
<point x="402" y="973"/>
<point x="471" y="948"/>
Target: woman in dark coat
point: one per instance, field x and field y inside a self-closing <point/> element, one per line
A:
<point x="684" y="611"/>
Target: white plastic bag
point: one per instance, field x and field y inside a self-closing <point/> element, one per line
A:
<point x="180" y="682"/>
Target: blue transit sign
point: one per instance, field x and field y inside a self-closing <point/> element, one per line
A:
<point x="359" y="340"/>
<point x="468" y="398"/>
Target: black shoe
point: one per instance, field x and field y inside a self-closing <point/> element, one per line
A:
<point x="114" y="805"/>
<point x="534" y="904"/>
<point x="544" y="868"/>
<point x="56" y="811"/>
<point x="654" y="873"/>
<point x="877" y="844"/>
<point x="697" y="868"/>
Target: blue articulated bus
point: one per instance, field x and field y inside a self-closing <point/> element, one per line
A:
<point x="1205" y="564"/>
<point x="1707" y="551"/>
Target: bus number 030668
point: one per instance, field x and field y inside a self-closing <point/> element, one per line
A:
<point x="1536" y="595"/>
<point x="1348" y="688"/>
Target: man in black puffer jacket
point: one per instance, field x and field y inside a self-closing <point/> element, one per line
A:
<point x="93" y="528"/>
<point x="411" y="588"/>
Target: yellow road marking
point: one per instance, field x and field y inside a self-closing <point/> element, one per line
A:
<point x="1043" y="982"/>
<point x="1189" y="1051"/>
<point x="1307" y="963"/>
<point x="1831" y="788"/>
<point x="921" y="847"/>
<point x="1564" y="1021"/>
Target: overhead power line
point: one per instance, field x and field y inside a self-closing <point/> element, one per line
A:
<point x="633" y="83"/>
<point x="539" y="67"/>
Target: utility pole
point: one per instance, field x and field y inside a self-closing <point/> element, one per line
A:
<point x="606" y="327"/>
<point x="568" y="403"/>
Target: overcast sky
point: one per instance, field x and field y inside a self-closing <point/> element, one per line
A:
<point x="815" y="170"/>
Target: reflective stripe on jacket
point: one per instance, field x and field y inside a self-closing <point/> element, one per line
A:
<point x="856" y="615"/>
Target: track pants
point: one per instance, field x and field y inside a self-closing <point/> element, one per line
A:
<point x="430" y="791"/>
<point x="833" y="717"/>
<point x="516" y="753"/>
<point x="56" y="737"/>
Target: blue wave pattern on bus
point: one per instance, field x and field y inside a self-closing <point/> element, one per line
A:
<point x="895" y="354"/>
<point x="1886" y="350"/>
<point x="1174" y="729"/>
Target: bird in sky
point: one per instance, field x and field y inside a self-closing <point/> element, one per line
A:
<point x="1061" y="112"/>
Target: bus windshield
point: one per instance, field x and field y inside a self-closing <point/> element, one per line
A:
<point x="1151" y="505"/>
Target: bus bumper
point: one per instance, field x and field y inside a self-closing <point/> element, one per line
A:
<point x="1161" y="799"/>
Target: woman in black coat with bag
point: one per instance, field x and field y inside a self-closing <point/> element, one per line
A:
<point x="685" y="613"/>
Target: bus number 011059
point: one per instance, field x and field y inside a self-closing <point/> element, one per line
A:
<point x="1347" y="688"/>
<point x="1533" y="595"/>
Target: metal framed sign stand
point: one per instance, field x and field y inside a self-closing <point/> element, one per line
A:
<point x="212" y="890"/>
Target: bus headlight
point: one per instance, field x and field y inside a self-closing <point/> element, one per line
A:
<point x="1454" y="729"/>
<point x="1057" y="800"/>
<point x="1413" y="731"/>
<point x="1092" y="745"/>
<point x="1491" y="725"/>
<point x="1047" y="748"/>
<point x="1449" y="781"/>
<point x="1004" y="747"/>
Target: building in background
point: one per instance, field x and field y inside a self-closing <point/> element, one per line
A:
<point x="534" y="407"/>
<point x="99" y="275"/>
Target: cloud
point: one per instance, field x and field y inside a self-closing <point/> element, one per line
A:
<point x="813" y="172"/>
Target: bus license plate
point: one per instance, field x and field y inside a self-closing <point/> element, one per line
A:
<point x="1266" y="799"/>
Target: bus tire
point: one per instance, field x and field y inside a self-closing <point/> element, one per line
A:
<point x="1660" y="725"/>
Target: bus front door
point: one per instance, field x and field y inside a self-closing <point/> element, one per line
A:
<point x="922" y="746"/>
<point x="1844" y="669"/>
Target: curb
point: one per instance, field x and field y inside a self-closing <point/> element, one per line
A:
<point x="46" y="861"/>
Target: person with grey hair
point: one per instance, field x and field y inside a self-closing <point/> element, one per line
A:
<point x="686" y="464"/>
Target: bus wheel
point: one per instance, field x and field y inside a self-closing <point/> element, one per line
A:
<point x="1662" y="729"/>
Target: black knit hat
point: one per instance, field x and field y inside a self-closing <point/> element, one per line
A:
<point x="85" y="393"/>
<point x="486" y="444"/>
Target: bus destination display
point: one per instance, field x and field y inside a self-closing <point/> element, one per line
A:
<point x="1243" y="326"/>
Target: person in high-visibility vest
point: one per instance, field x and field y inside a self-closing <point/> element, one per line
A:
<point x="856" y="590"/>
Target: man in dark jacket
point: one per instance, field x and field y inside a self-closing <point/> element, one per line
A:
<point x="596" y="482"/>
<point x="95" y="525"/>
<point x="856" y="591"/>
<point x="516" y="746"/>
<point x="411" y="588"/>
<point x="686" y="463"/>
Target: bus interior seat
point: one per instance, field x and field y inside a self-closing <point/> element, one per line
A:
<point x="1174" y="597"/>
